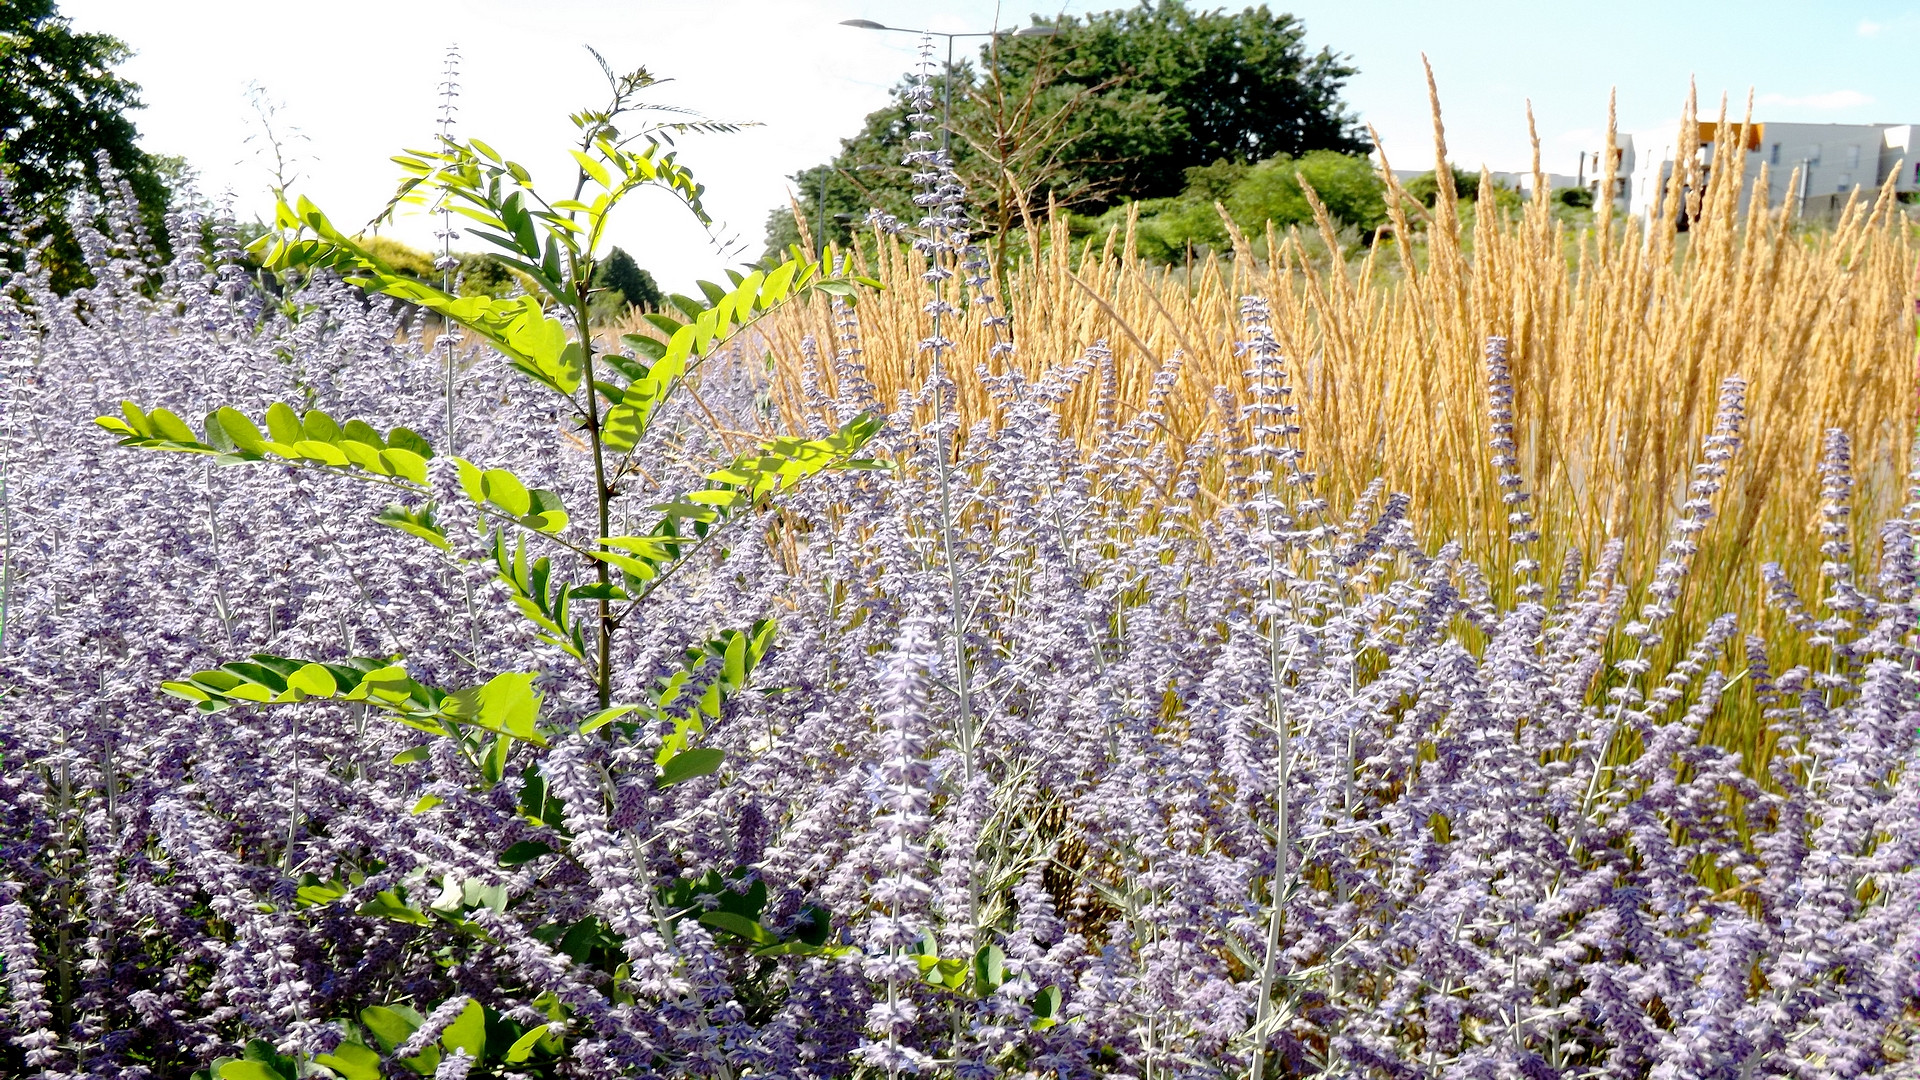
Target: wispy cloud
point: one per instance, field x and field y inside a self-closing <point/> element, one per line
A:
<point x="1832" y="99"/>
<point x="1868" y="28"/>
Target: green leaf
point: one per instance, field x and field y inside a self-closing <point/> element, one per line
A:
<point x="508" y="705"/>
<point x="404" y="463"/>
<point x="284" y="425"/>
<point x="605" y="716"/>
<point x="239" y="430"/>
<point x="388" y="905"/>
<point x="170" y="427"/>
<point x="505" y="490"/>
<point x="689" y="764"/>
<point x="1046" y="1008"/>
<point x="989" y="970"/>
<point x="320" y="427"/>
<point x="390" y="1027"/>
<point x="594" y="169"/>
<point x="470" y="481"/>
<point x="362" y="432"/>
<point x="320" y="894"/>
<point x="418" y="523"/>
<point x="426" y="803"/>
<point x="734" y="664"/>
<point x="493" y="765"/>
<point x="643" y="345"/>
<point x="814" y="925"/>
<point x="524" y="852"/>
<point x="426" y="1062"/>
<point x="251" y="1070"/>
<point x="522" y="1048"/>
<point x="622" y="427"/>
<point x="740" y="926"/>
<point x="468" y="1031"/>
<point x="405" y="439"/>
<point x="352" y="1061"/>
<point x="313" y="679"/>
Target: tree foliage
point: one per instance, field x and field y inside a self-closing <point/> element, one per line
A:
<point x="1253" y="195"/>
<point x="622" y="284"/>
<point x="1112" y="107"/>
<point x="61" y="108"/>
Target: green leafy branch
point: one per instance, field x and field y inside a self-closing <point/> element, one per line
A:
<point x="490" y="1039"/>
<point x="505" y="704"/>
<point x="354" y="449"/>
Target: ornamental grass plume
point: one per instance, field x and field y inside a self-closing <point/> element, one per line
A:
<point x="1617" y="332"/>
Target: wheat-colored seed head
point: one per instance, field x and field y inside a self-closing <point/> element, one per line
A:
<point x="1619" y="336"/>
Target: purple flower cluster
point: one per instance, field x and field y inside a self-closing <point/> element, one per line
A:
<point x="1071" y="777"/>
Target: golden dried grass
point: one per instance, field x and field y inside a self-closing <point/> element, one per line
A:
<point x="1619" y="336"/>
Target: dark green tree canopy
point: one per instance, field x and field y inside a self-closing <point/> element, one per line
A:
<point x="1113" y="107"/>
<point x="61" y="104"/>
<point x="1234" y="87"/>
<point x="623" y="284"/>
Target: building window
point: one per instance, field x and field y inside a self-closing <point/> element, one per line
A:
<point x="1813" y="154"/>
<point x="1773" y="154"/>
<point x="1853" y="157"/>
<point x="1846" y="182"/>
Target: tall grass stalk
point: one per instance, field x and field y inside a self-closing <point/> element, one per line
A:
<point x="1619" y="330"/>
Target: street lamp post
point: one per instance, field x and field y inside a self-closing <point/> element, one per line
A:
<point x="946" y="92"/>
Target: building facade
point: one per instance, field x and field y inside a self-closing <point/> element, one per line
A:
<point x="1814" y="168"/>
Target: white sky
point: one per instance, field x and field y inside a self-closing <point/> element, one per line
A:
<point x="359" y="82"/>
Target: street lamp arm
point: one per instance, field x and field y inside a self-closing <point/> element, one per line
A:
<point x="869" y="24"/>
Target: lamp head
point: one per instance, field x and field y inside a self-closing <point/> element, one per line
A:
<point x="1036" y="31"/>
<point x="863" y="24"/>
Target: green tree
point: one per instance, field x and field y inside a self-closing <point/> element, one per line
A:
<point x="621" y="284"/>
<point x="1466" y="185"/>
<point x="1239" y="87"/>
<point x="1346" y="184"/>
<point x="61" y="106"/>
<point x="1253" y="195"/>
<point x="1112" y="107"/>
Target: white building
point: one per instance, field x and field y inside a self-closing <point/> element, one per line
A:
<point x="1832" y="159"/>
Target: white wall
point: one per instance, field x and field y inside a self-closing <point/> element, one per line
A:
<point x="1833" y="159"/>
